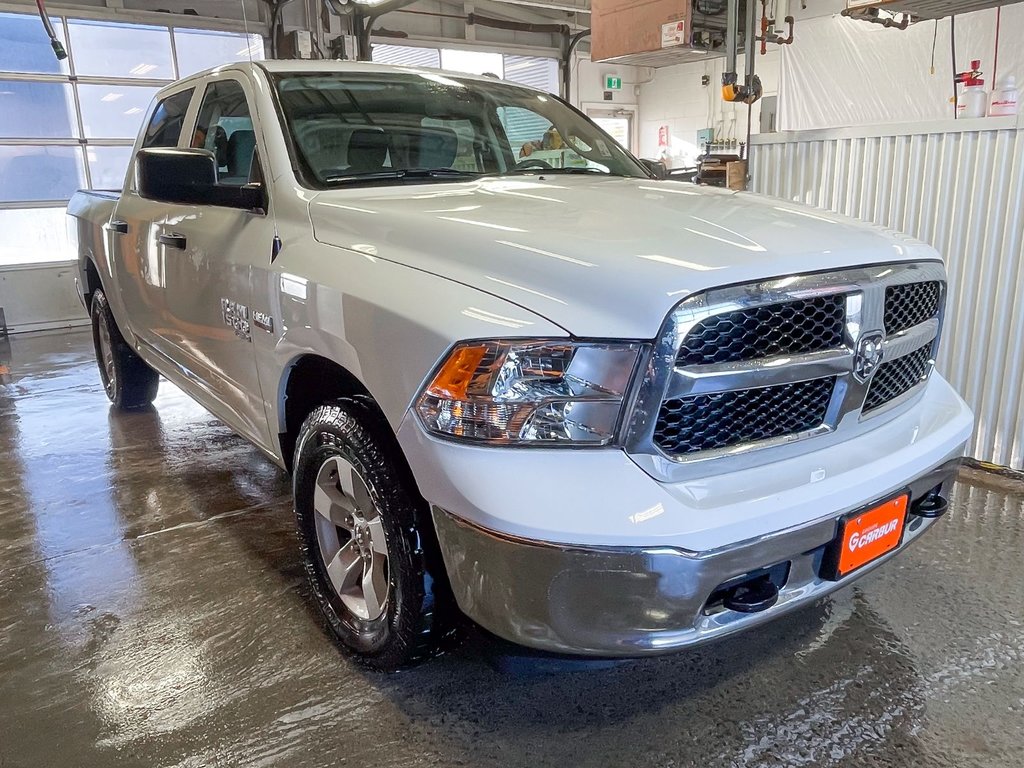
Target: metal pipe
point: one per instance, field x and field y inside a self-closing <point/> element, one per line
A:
<point x="364" y="22"/>
<point x="574" y="41"/>
<point x="58" y="48"/>
<point x="952" y="47"/>
<point x="995" y="63"/>
<point x="517" y="26"/>
<point x="749" y="40"/>
<point x="732" y="35"/>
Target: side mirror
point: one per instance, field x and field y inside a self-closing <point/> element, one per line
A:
<point x="656" y="168"/>
<point x="189" y="177"/>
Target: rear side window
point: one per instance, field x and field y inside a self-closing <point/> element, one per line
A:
<point x="165" y="126"/>
<point x="224" y="127"/>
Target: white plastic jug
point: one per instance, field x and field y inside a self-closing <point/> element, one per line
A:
<point x="1005" y="98"/>
<point x="973" y="101"/>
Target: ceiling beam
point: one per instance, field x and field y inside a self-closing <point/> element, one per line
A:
<point x="549" y="6"/>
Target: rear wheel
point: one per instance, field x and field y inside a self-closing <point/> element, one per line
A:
<point x="367" y="540"/>
<point x="127" y="380"/>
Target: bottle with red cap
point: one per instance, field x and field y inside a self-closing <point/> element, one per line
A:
<point x="973" y="101"/>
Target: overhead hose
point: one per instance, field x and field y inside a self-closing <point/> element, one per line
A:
<point x="58" y="47"/>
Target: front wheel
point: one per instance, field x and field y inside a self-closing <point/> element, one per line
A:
<point x="127" y="380"/>
<point x="367" y="540"/>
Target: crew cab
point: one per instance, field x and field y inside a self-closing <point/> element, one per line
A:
<point x="515" y="376"/>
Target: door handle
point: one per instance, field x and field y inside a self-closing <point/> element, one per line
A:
<point x="173" y="240"/>
<point x="121" y="227"/>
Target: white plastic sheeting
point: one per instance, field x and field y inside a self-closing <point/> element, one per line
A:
<point x="960" y="187"/>
<point x="846" y="72"/>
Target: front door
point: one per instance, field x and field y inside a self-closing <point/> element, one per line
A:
<point x="208" y="253"/>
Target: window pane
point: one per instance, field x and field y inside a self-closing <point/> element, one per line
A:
<point x="224" y="127"/>
<point x="473" y="62"/>
<point x="434" y="154"/>
<point x="34" y="235"/>
<point x="36" y="110"/>
<point x="616" y="127"/>
<point x="121" y="50"/>
<point x="165" y="125"/>
<point x="25" y="47"/>
<point x="406" y="56"/>
<point x="113" y="111"/>
<point x="107" y="166"/>
<point x="200" y="49"/>
<point x="534" y="71"/>
<point x="40" y="173"/>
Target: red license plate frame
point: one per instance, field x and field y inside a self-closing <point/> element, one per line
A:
<point x="864" y="536"/>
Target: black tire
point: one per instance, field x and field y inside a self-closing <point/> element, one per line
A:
<point x="418" y="614"/>
<point x="128" y="381"/>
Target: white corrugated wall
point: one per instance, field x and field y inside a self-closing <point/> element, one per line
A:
<point x="961" y="189"/>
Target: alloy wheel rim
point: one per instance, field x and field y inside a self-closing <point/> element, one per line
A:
<point x="350" y="535"/>
<point x="107" y="358"/>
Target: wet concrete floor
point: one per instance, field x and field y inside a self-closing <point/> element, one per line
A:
<point x="153" y="613"/>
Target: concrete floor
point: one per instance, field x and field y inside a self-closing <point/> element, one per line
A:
<point x="153" y="613"/>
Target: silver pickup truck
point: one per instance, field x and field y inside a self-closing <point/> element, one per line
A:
<point x="514" y="375"/>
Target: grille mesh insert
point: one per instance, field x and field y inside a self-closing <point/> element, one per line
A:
<point x="897" y="377"/>
<point x="794" y="328"/>
<point x="909" y="305"/>
<point x="706" y="422"/>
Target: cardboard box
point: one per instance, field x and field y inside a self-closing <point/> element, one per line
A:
<point x="629" y="27"/>
<point x="736" y="175"/>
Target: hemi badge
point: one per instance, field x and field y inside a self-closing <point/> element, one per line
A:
<point x="263" y="320"/>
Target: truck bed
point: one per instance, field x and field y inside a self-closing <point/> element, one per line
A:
<point x="92" y="209"/>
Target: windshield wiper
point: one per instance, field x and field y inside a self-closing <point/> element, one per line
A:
<point x="549" y="171"/>
<point x="401" y="174"/>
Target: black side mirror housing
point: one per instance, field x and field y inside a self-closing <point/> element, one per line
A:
<point x="189" y="177"/>
<point x="656" y="168"/>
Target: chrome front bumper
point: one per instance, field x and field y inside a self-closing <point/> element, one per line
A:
<point x="613" y="602"/>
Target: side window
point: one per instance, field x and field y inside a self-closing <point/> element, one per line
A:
<point x="225" y="128"/>
<point x="165" y="126"/>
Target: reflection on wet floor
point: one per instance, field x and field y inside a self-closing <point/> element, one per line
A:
<point x="153" y="613"/>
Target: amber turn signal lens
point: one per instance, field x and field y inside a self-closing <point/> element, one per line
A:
<point x="452" y="381"/>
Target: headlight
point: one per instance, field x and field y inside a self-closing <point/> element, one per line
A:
<point x="530" y="392"/>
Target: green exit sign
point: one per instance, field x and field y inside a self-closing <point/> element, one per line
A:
<point x="612" y="83"/>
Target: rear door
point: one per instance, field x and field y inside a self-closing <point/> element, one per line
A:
<point x="207" y="254"/>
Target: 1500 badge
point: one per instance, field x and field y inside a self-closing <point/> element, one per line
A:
<point x="236" y="316"/>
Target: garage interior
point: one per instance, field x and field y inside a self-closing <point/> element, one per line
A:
<point x="153" y="607"/>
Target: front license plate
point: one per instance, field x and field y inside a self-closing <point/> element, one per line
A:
<point x="866" y="536"/>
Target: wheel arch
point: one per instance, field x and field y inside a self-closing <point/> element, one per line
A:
<point x="91" y="281"/>
<point x="310" y="380"/>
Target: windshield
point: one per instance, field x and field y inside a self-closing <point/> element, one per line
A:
<point x="385" y="127"/>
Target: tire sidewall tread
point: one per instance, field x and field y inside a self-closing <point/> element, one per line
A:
<point x="413" y="625"/>
<point x="136" y="384"/>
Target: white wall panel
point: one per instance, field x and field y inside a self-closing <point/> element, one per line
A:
<point x="842" y="71"/>
<point x="41" y="296"/>
<point x="960" y="188"/>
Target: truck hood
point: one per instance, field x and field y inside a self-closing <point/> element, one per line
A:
<point x="600" y="257"/>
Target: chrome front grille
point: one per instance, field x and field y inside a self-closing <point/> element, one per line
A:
<point x="748" y="368"/>
<point x="725" y="419"/>
<point x="897" y="377"/>
<point x="910" y="304"/>
<point x="793" y="328"/>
